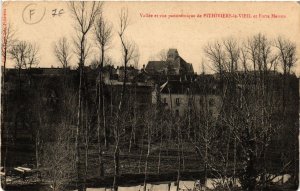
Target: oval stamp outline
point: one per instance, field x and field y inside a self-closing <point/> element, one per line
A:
<point x="32" y="23"/>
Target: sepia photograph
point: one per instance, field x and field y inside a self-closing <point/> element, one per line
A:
<point x="150" y="96"/>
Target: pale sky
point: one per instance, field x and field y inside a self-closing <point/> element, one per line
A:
<point x="151" y="35"/>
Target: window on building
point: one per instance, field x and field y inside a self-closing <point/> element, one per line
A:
<point x="177" y="112"/>
<point x="201" y="101"/>
<point x="211" y="102"/>
<point x="177" y="101"/>
<point x="191" y="101"/>
<point x="165" y="100"/>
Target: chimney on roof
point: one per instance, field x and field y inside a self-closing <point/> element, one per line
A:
<point x="118" y="70"/>
<point x="172" y="54"/>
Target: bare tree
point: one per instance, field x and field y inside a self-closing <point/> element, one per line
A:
<point x="133" y="120"/>
<point x="119" y="125"/>
<point x="103" y="33"/>
<point x="232" y="54"/>
<point x="286" y="54"/>
<point x="259" y="48"/>
<point x="62" y="52"/>
<point x="251" y="49"/>
<point x="287" y="59"/>
<point x="179" y="151"/>
<point x="216" y="55"/>
<point x="8" y="40"/>
<point x="58" y="158"/>
<point x="254" y="110"/>
<point x="33" y="60"/>
<point x="25" y="54"/>
<point x="205" y="135"/>
<point x="84" y="15"/>
<point x="249" y="118"/>
<point x="244" y="59"/>
<point x="129" y="49"/>
<point x="149" y="123"/>
<point x="161" y="124"/>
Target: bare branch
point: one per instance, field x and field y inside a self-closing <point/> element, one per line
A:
<point x="84" y="13"/>
<point x="62" y="52"/>
<point x="286" y="54"/>
<point x="24" y="54"/>
<point x="103" y="33"/>
<point x="216" y="55"/>
<point x="232" y="51"/>
<point x="124" y="21"/>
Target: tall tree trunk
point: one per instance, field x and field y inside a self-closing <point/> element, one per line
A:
<point x="131" y="138"/>
<point x="86" y="145"/>
<point x="116" y="158"/>
<point x="160" y="147"/>
<point x="101" y="96"/>
<point x="37" y="146"/>
<point x="234" y="162"/>
<point x="179" y="156"/>
<point x="101" y="170"/>
<point x="134" y="121"/>
<point x="104" y="117"/>
<point x="4" y="128"/>
<point x="124" y="83"/>
<point x="147" y="156"/>
<point x="116" y="167"/>
<point x="141" y="151"/>
<point x="78" y="127"/>
<point x="206" y="154"/>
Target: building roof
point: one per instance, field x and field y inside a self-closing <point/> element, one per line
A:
<point x="186" y="87"/>
<point x="188" y="68"/>
<point x="156" y="66"/>
<point x="173" y="65"/>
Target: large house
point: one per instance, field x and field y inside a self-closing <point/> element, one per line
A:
<point x="179" y="88"/>
<point x="199" y="94"/>
<point x="173" y="65"/>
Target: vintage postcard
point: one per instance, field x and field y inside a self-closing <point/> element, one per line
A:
<point x="149" y="96"/>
